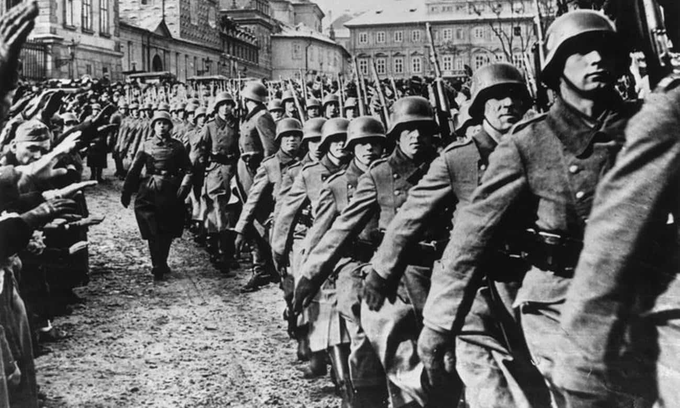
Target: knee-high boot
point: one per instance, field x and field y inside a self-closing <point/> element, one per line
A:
<point x="156" y="258"/>
<point x="340" y="364"/>
<point x="164" y="244"/>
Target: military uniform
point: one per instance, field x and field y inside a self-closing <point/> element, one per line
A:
<point x="541" y="177"/>
<point x="219" y="139"/>
<point x="259" y="130"/>
<point x="345" y="284"/>
<point x="627" y="272"/>
<point x="491" y="374"/>
<point x="380" y="193"/>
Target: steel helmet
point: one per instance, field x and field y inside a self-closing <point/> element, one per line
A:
<point x="313" y="103"/>
<point x="312" y="128"/>
<point x="221" y="98"/>
<point x="181" y="106"/>
<point x="275" y="105"/>
<point x="191" y="108"/>
<point x="333" y="127"/>
<point x="565" y="30"/>
<point x="255" y="91"/>
<point x="174" y="107"/>
<point x="148" y="106"/>
<point x="122" y="104"/>
<point x="134" y="106"/>
<point x="165" y="107"/>
<point x="96" y="106"/>
<point x="411" y="109"/>
<point x="200" y="111"/>
<point x="331" y="98"/>
<point x="491" y="79"/>
<point x="351" y="102"/>
<point x="287" y="96"/>
<point x="288" y="126"/>
<point x="365" y="127"/>
<point x="161" y="115"/>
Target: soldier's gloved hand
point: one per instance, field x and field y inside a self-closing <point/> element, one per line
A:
<point x="436" y="351"/>
<point x="67" y="191"/>
<point x="375" y="290"/>
<point x="239" y="242"/>
<point x="125" y="199"/>
<point x="14" y="378"/>
<point x="183" y="192"/>
<point x="305" y="291"/>
<point x="49" y="210"/>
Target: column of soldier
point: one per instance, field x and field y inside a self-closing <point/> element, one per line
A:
<point x="531" y="263"/>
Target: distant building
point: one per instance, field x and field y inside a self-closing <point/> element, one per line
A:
<point x="72" y="38"/>
<point x="185" y="38"/>
<point x="255" y="15"/>
<point x="466" y="33"/>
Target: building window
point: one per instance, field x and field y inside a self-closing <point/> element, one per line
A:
<point x="195" y="65"/>
<point x="363" y="66"/>
<point x="177" y="64"/>
<point x="186" y="66"/>
<point x="500" y="57"/>
<point x="380" y="37"/>
<point x="459" y="34"/>
<point x="363" y="38"/>
<point x="447" y="9"/>
<point x="458" y="64"/>
<point x="398" y="65"/>
<point x="480" y="60"/>
<point x="380" y="65"/>
<point x="447" y="63"/>
<point x="87" y="15"/>
<point x="68" y="13"/>
<point x="416" y="65"/>
<point x="193" y="13"/>
<point x="398" y="36"/>
<point x="297" y="51"/>
<point x="104" y="17"/>
<point x="478" y="33"/>
<point x="415" y="35"/>
<point x="130" y="54"/>
<point x="447" y="34"/>
<point x="517" y="59"/>
<point x="88" y="69"/>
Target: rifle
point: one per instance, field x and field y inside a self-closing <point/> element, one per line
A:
<point x="296" y="100"/>
<point x="360" y="99"/>
<point x="655" y="43"/>
<point x="303" y="85"/>
<point x="443" y="116"/>
<point x="541" y="90"/>
<point x="341" y="91"/>
<point x="381" y="94"/>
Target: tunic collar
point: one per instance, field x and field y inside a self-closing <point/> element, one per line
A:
<point x="485" y="144"/>
<point x="576" y="134"/>
<point x="406" y="167"/>
<point x="254" y="112"/>
<point x="284" y="159"/>
<point x="328" y="164"/>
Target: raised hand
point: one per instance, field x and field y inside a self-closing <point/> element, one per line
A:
<point x="15" y="25"/>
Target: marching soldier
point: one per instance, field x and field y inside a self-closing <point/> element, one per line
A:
<point x="365" y="385"/>
<point x="380" y="193"/>
<point x="258" y="127"/>
<point x="288" y="100"/>
<point x="540" y="183"/>
<point x="351" y="108"/>
<point x="491" y="374"/>
<point x="331" y="106"/>
<point x="196" y="156"/>
<point x="275" y="108"/>
<point x="220" y="150"/>
<point x="313" y="108"/>
<point x="305" y="192"/>
<point x="262" y="197"/>
<point x="159" y="203"/>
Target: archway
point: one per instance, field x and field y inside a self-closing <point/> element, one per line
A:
<point x="157" y="64"/>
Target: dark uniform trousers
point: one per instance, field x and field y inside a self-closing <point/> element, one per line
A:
<point x="379" y="193"/>
<point x="542" y="176"/>
<point x="493" y="375"/>
<point x="627" y="275"/>
<point x="339" y="296"/>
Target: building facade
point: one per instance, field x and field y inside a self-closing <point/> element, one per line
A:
<point x="465" y="33"/>
<point x="79" y="37"/>
<point x="254" y="15"/>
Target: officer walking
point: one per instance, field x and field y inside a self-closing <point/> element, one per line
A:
<point x="540" y="183"/>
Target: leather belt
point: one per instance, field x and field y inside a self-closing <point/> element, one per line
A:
<point x="223" y="158"/>
<point x="556" y="253"/>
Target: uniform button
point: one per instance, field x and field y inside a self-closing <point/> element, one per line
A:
<point x="482" y="167"/>
<point x="396" y="176"/>
<point x="573" y="169"/>
<point x="580" y="194"/>
<point x="349" y="186"/>
<point x="397" y="192"/>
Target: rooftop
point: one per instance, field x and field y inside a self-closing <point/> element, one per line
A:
<point x="302" y="31"/>
<point x="416" y="12"/>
